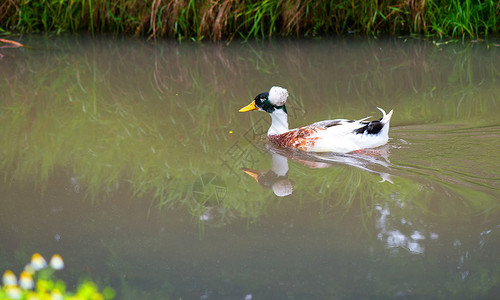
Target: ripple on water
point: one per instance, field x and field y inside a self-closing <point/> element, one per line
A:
<point x="459" y="158"/>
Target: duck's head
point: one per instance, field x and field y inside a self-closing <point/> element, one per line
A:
<point x="269" y="102"/>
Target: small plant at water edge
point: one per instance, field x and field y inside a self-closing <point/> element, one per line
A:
<point x="37" y="281"/>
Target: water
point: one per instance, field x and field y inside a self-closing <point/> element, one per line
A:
<point x="127" y="157"/>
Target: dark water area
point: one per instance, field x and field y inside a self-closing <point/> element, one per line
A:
<point x="130" y="159"/>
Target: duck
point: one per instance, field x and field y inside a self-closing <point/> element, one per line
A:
<point x="338" y="136"/>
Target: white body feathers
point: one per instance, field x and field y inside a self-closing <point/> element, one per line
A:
<point x="343" y="138"/>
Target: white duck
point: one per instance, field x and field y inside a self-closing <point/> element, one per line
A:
<point x="340" y="135"/>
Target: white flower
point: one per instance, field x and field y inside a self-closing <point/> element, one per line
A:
<point x="9" y="278"/>
<point x="26" y="281"/>
<point x="38" y="262"/>
<point x="29" y="269"/>
<point x="56" y="262"/>
<point x="56" y="295"/>
<point x="14" y="292"/>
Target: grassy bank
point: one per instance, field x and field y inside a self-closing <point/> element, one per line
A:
<point x="225" y="19"/>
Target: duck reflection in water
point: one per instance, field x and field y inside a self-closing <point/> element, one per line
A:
<point x="276" y="178"/>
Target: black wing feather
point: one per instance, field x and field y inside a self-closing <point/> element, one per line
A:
<point x="372" y="127"/>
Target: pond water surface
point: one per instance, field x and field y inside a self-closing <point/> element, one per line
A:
<point x="130" y="159"/>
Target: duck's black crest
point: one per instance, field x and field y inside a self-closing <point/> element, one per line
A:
<point x="373" y="127"/>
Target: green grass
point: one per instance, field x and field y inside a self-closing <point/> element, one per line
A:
<point x="226" y="19"/>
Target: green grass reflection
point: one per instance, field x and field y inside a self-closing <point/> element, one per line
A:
<point x="162" y="128"/>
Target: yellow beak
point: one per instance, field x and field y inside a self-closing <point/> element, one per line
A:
<point x="249" y="107"/>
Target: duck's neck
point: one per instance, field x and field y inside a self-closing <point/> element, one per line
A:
<point x="279" y="122"/>
<point x="280" y="165"/>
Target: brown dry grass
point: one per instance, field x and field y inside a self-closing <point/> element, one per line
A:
<point x="224" y="19"/>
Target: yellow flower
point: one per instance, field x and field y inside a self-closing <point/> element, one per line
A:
<point x="9" y="278"/>
<point x="32" y="296"/>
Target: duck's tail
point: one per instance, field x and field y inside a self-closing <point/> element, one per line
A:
<point x="386" y="118"/>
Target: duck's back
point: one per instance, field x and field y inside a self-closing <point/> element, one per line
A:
<point x="340" y="135"/>
<point x="350" y="136"/>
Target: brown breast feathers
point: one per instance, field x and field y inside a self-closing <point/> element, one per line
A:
<point x="299" y="138"/>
